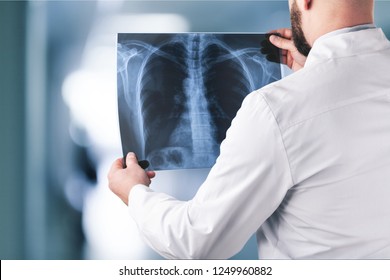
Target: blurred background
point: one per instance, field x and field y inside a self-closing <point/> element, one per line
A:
<point x="59" y="123"/>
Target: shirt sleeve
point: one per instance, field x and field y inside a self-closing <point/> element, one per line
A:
<point x="245" y="186"/>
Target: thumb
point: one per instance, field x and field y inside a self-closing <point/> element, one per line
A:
<point x="282" y="43"/>
<point x="131" y="158"/>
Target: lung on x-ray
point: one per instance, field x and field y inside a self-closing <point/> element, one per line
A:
<point x="178" y="93"/>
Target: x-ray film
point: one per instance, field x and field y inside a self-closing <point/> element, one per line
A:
<point x="178" y="93"/>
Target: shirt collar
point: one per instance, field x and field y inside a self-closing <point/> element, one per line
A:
<point x="347" y="42"/>
<point x="347" y="30"/>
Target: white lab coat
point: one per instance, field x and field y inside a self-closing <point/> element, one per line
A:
<point x="306" y="164"/>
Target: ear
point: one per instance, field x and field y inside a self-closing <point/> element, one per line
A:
<point x="303" y="5"/>
<point x="307" y="4"/>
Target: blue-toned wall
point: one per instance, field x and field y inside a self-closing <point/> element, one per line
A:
<point x="52" y="174"/>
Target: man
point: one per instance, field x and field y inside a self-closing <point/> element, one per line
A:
<point x="306" y="162"/>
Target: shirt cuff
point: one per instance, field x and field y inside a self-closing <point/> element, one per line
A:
<point x="136" y="199"/>
<point x="137" y="190"/>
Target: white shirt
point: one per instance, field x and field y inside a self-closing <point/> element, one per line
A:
<point x="306" y="164"/>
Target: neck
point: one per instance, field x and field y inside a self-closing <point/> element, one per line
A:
<point x="327" y="17"/>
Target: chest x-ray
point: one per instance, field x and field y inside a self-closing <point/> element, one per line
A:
<point x="178" y="93"/>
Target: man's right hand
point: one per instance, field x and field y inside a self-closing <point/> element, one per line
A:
<point x="290" y="55"/>
<point x="122" y="180"/>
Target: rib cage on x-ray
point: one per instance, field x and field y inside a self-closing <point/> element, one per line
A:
<point x="177" y="93"/>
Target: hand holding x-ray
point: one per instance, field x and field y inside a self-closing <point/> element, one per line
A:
<point x="122" y="180"/>
<point x="289" y="53"/>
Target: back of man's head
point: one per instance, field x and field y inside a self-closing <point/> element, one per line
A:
<point x="322" y="16"/>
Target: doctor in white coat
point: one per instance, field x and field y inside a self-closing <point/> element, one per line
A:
<point x="306" y="162"/>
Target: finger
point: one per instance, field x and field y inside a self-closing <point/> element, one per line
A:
<point x="284" y="32"/>
<point x="131" y="158"/>
<point x="151" y="174"/>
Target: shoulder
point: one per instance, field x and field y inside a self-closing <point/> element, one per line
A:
<point x="301" y="95"/>
<point x="285" y="98"/>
